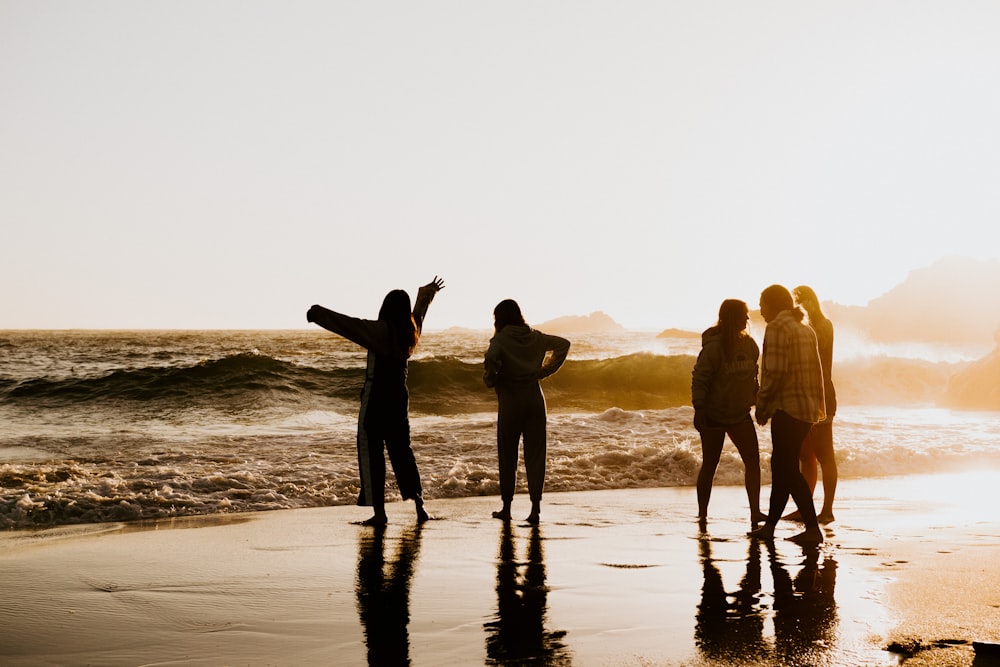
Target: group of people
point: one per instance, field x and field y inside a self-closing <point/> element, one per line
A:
<point x="788" y="384"/>
<point x="517" y="359"/>
<point x="793" y="391"/>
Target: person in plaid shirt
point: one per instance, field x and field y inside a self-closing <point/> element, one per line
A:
<point x="791" y="397"/>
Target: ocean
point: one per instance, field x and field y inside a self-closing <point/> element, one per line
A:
<point x="129" y="425"/>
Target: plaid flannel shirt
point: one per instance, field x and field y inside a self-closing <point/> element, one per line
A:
<point x="791" y="376"/>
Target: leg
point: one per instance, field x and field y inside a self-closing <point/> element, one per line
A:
<point x="376" y="471"/>
<point x="366" y="443"/>
<point x="783" y="461"/>
<point x="822" y="435"/>
<point x="712" y="440"/>
<point x="404" y="466"/>
<point x="788" y="433"/>
<point x="535" y="446"/>
<point x="508" y="439"/>
<point x="422" y="514"/>
<point x="809" y="470"/>
<point x="807" y="461"/>
<point x="371" y="457"/>
<point x="744" y="437"/>
<point x="779" y="490"/>
<point x="786" y="478"/>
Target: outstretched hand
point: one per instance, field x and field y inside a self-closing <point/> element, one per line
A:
<point x="437" y="284"/>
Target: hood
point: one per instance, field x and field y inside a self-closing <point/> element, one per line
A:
<point x="517" y="334"/>
<point x="710" y="334"/>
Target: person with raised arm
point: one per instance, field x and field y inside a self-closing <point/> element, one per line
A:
<point x="383" y="421"/>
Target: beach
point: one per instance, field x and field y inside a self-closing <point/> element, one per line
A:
<point x="614" y="577"/>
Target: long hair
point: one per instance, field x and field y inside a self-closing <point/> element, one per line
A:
<point x="806" y="297"/>
<point x="397" y="313"/>
<point x="733" y="318"/>
<point x="780" y="298"/>
<point x="507" y="312"/>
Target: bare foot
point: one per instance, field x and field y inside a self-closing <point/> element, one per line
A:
<point x="377" y="520"/>
<point x="758" y="517"/>
<point x="792" y="516"/>
<point x="826" y="517"/>
<point x="533" y="519"/>
<point x="765" y="532"/>
<point x="422" y="515"/>
<point x="808" y="538"/>
<point x="503" y="515"/>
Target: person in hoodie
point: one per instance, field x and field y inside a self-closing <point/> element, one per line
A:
<point x="517" y="359"/>
<point x="723" y="389"/>
<point x="383" y="420"/>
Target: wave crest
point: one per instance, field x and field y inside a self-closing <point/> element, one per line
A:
<point x="438" y="385"/>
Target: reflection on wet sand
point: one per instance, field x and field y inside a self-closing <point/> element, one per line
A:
<point x="805" y="612"/>
<point x="517" y="633"/>
<point x="384" y="597"/>
<point x="731" y="628"/>
<point x="726" y="630"/>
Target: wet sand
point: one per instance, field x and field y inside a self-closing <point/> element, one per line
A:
<point x="608" y="578"/>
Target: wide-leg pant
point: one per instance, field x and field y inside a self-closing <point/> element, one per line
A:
<point x="384" y="427"/>
<point x="521" y="413"/>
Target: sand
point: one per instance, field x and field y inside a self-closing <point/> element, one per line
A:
<point x="609" y="578"/>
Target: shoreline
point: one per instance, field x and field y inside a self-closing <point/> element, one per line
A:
<point x="609" y="578"/>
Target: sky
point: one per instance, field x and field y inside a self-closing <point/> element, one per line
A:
<point x="220" y="164"/>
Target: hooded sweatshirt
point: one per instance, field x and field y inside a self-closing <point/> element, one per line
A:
<point x="516" y="356"/>
<point x="725" y="389"/>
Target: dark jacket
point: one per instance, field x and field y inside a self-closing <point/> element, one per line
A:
<point x="517" y="356"/>
<point x="725" y="389"/>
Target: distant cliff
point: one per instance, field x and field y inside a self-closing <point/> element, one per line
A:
<point x="678" y="333"/>
<point x="955" y="300"/>
<point x="977" y="386"/>
<point x="596" y="322"/>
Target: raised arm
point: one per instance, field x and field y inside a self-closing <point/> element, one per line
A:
<point x="424" y="297"/>
<point x="370" y="334"/>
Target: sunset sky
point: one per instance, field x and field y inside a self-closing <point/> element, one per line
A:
<point x="225" y="164"/>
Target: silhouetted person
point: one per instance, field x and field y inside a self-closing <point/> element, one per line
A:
<point x="384" y="420"/>
<point x="517" y="359"/>
<point x="518" y="635"/>
<point x="723" y="389"/>
<point x="791" y="397"/>
<point x="730" y="631"/>
<point x="805" y="610"/>
<point x="384" y="598"/>
<point x="818" y="445"/>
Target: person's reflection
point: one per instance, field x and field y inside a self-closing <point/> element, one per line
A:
<point x="384" y="597"/>
<point x="517" y="635"/>
<point x="805" y="612"/>
<point x="727" y="630"/>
